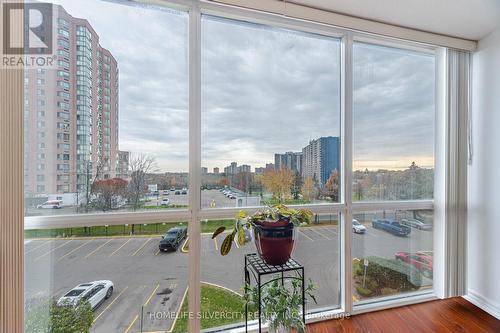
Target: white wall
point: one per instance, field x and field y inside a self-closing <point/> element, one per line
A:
<point x="484" y="179"/>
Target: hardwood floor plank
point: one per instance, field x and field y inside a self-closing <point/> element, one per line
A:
<point x="454" y="315"/>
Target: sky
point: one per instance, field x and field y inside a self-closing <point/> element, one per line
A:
<point x="264" y="90"/>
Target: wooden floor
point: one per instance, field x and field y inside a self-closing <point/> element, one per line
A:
<point x="450" y="315"/>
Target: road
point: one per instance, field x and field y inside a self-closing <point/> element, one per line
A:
<point x="208" y="199"/>
<point x="157" y="281"/>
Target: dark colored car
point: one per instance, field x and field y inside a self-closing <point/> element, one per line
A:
<point x="177" y="192"/>
<point x="172" y="239"/>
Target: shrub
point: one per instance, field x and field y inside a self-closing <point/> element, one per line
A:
<point x="363" y="291"/>
<point x="392" y="273"/>
<point x="385" y="276"/>
<point x="43" y="315"/>
<point x="388" y="291"/>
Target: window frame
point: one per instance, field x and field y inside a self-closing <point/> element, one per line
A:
<point x="345" y="208"/>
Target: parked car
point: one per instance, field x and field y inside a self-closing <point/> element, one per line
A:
<point x="95" y="292"/>
<point x="414" y="223"/>
<point x="166" y="192"/>
<point x="421" y="261"/>
<point x="357" y="227"/>
<point x="232" y="196"/>
<point x="184" y="192"/>
<point x="391" y="226"/>
<point x="172" y="239"/>
<point x="53" y="204"/>
<point x="177" y="192"/>
<point x="165" y="202"/>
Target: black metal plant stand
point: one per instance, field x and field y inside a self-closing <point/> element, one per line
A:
<point x="258" y="268"/>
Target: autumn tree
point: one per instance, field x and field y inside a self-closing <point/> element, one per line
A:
<point x="223" y="181"/>
<point x="331" y="188"/>
<point x="108" y="190"/>
<point x="278" y="182"/>
<point x="308" y="189"/>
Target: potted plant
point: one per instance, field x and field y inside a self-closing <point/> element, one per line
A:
<point x="280" y="304"/>
<point x="273" y="228"/>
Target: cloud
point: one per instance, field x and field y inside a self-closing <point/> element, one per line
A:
<point x="264" y="90"/>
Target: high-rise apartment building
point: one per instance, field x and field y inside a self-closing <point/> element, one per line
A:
<point x="320" y="158"/>
<point x="289" y="160"/>
<point x="244" y="168"/>
<point x="216" y="170"/>
<point x="231" y="169"/>
<point x="71" y="113"/>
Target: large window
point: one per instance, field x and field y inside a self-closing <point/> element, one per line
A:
<point x="121" y="148"/>
<point x="393" y="160"/>
<point x="393" y="123"/>
<point x="262" y="109"/>
<point x="270" y="115"/>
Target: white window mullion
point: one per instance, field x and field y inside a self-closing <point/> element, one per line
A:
<point x="194" y="266"/>
<point x="346" y="146"/>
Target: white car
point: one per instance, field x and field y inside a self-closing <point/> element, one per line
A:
<point x="53" y="204"/>
<point x="357" y="227"/>
<point x="95" y="292"/>
<point x="165" y="202"/>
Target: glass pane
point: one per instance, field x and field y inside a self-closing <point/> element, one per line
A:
<point x="392" y="253"/>
<point x="224" y="275"/>
<point x="109" y="133"/>
<point x="106" y="129"/>
<point x="270" y="115"/>
<point x="393" y="124"/>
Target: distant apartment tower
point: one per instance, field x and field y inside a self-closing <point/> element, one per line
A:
<point x="320" y="158"/>
<point x="231" y="169"/>
<point x="244" y="168"/>
<point x="204" y="170"/>
<point x="260" y="170"/>
<point x="216" y="170"/>
<point x="289" y="160"/>
<point x="269" y="166"/>
<point x="71" y="113"/>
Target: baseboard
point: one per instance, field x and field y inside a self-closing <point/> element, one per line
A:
<point x="483" y="303"/>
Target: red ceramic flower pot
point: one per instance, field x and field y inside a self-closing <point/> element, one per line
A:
<point x="274" y="241"/>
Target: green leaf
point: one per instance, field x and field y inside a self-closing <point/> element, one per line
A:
<point x="226" y="244"/>
<point x="241" y="237"/>
<point x="241" y="215"/>
<point x="218" y="231"/>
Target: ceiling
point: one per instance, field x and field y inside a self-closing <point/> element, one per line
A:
<point x="469" y="19"/>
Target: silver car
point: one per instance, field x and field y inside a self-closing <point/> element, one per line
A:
<point x="417" y="224"/>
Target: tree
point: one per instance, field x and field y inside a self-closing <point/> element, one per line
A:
<point x="278" y="182"/>
<point x="297" y="185"/>
<point x="308" y="189"/>
<point x="89" y="178"/>
<point x="223" y="181"/>
<point x="331" y="188"/>
<point x="43" y="315"/>
<point x="107" y="190"/>
<point x="139" y="166"/>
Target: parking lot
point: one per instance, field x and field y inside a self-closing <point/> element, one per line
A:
<point x="143" y="277"/>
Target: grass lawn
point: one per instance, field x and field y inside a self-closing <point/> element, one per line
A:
<point x="218" y="306"/>
<point x="102" y="231"/>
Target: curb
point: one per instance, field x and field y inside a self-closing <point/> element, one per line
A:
<point x="183" y="249"/>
